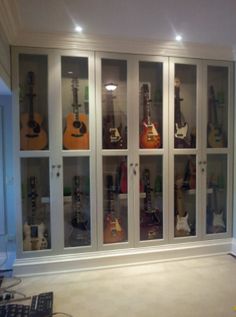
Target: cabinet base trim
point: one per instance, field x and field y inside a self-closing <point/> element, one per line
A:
<point x="233" y="251"/>
<point x="116" y="258"/>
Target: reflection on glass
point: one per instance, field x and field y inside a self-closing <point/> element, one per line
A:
<point x="115" y="198"/>
<point x="33" y="102"/>
<point x="185" y="106"/>
<point x="35" y="204"/>
<point x="76" y="202"/>
<point x="150" y="104"/>
<point x="217" y="107"/>
<point x="114" y="104"/>
<point x="75" y="103"/>
<point x="216" y="193"/>
<point x="151" y="198"/>
<point x="185" y="195"/>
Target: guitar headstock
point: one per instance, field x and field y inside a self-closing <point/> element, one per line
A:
<point x="30" y="78"/>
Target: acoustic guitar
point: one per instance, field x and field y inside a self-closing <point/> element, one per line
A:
<point x="215" y="134"/>
<point x="32" y="135"/>
<point x="80" y="234"/>
<point x="34" y="234"/>
<point x="181" y="127"/>
<point x="149" y="136"/>
<point x="150" y="218"/>
<point x="113" y="232"/>
<point x="113" y="137"/>
<point x="76" y="136"/>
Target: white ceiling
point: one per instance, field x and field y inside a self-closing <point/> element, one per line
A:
<point x="199" y="21"/>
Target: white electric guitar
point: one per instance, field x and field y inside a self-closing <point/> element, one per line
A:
<point x="182" y="226"/>
<point x="218" y="224"/>
<point x="34" y="234"/>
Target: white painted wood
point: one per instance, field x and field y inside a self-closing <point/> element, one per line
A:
<point x="119" y="258"/>
<point x="2" y="178"/>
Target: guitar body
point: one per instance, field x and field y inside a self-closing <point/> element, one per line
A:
<point x="149" y="138"/>
<point x="76" y="136"/>
<point x="215" y="137"/>
<point x="112" y="137"/>
<point x="113" y="231"/>
<point x="34" y="237"/>
<point x="32" y="136"/>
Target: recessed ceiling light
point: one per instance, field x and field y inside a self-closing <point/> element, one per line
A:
<point x="178" y="38"/>
<point x="78" y="28"/>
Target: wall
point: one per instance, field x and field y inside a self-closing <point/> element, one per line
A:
<point x="5" y="68"/>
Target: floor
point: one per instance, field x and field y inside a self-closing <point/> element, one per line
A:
<point x="202" y="287"/>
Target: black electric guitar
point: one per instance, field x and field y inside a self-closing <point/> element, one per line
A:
<point x="32" y="135"/>
<point x="80" y="234"/>
<point x="113" y="232"/>
<point x="215" y="134"/>
<point x="34" y="234"/>
<point x="181" y="127"/>
<point x="112" y="135"/>
<point x="150" y="218"/>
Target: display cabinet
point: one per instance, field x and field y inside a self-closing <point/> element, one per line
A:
<point x="117" y="152"/>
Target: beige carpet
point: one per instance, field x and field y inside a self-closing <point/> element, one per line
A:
<point x="203" y="287"/>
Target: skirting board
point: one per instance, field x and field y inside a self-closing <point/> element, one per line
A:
<point x="117" y="258"/>
<point x="233" y="251"/>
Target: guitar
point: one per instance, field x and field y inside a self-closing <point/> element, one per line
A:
<point x="122" y="177"/>
<point x="181" y="128"/>
<point x="80" y="233"/>
<point x="215" y="134"/>
<point x="182" y="226"/>
<point x="76" y="134"/>
<point x="189" y="181"/>
<point x="34" y="234"/>
<point x="113" y="231"/>
<point x="150" y="218"/>
<point x="32" y="135"/>
<point x="149" y="137"/>
<point x="218" y="223"/>
<point x="112" y="135"/>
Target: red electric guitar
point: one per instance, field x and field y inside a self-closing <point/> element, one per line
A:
<point x="149" y="137"/>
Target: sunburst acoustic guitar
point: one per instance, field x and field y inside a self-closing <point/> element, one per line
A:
<point x="32" y="135"/>
<point x="76" y="136"/>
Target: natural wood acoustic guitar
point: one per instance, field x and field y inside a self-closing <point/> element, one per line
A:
<point x="32" y="135"/>
<point x="76" y="136"/>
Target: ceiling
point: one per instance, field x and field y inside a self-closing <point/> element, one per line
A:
<point x="202" y="21"/>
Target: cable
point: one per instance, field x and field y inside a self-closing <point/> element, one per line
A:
<point x="18" y="281"/>
<point x="60" y="313"/>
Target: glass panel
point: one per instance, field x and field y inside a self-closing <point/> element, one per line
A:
<point x="115" y="199"/>
<point x="216" y="193"/>
<point x="150" y="104"/>
<point x="75" y="105"/>
<point x="114" y="104"/>
<point x="185" y="195"/>
<point x="185" y="106"/>
<point x="217" y="130"/>
<point x="35" y="203"/>
<point x="151" y="198"/>
<point x="77" y="217"/>
<point x="33" y="100"/>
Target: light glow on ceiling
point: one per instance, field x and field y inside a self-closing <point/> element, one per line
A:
<point x="78" y="28"/>
<point x="178" y="38"/>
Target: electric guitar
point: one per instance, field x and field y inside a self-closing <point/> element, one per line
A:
<point x="218" y="223"/>
<point x="181" y="128"/>
<point x="113" y="231"/>
<point x="34" y="234"/>
<point x="80" y="232"/>
<point x="149" y="137"/>
<point x="189" y="181"/>
<point x="215" y="134"/>
<point x="76" y="134"/>
<point x="112" y="135"/>
<point x="32" y="135"/>
<point x="150" y="218"/>
<point x="182" y="226"/>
